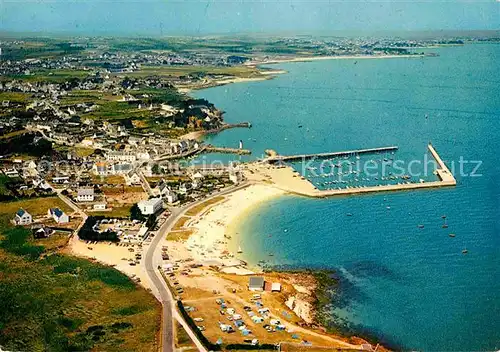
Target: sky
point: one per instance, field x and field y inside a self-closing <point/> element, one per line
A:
<point x="205" y="17"/>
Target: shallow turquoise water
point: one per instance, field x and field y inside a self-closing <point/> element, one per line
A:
<point x="410" y="287"/>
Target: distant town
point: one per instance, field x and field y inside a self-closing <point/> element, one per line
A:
<point x="98" y="145"/>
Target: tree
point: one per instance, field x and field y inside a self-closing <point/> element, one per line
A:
<point x="151" y="222"/>
<point x="156" y="169"/>
<point x="136" y="214"/>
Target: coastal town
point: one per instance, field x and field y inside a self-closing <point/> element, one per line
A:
<point x="99" y="159"/>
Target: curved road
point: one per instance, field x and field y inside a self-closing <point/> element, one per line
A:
<point x="153" y="259"/>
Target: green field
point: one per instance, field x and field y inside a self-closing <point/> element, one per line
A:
<point x="57" y="302"/>
<point x="178" y="71"/>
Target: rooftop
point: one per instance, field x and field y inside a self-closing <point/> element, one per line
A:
<point x="86" y="191"/>
<point x="256" y="281"/>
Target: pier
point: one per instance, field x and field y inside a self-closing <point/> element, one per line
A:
<point x="212" y="149"/>
<point x="287" y="179"/>
<point x="227" y="126"/>
<point x="291" y="158"/>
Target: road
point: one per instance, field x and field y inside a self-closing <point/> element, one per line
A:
<point x="153" y="260"/>
<point x="145" y="184"/>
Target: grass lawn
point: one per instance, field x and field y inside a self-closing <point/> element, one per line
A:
<point x="17" y="97"/>
<point x="180" y="223"/>
<point x="110" y="180"/>
<point x="182" y="235"/>
<point x="116" y="212"/>
<point x="63" y="303"/>
<point x="177" y="71"/>
<point x="183" y="340"/>
<point x="56" y="241"/>
<point x="36" y="207"/>
<point x="198" y="208"/>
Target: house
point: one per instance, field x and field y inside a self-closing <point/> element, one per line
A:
<point x="121" y="169"/>
<point x="276" y="287"/>
<point x="60" y="179"/>
<point x="167" y="193"/>
<point x="197" y="176"/>
<point x="23" y="218"/>
<point x="143" y="155"/>
<point x="183" y="188"/>
<point x="256" y="283"/>
<point x="197" y="180"/>
<point x="132" y="178"/>
<point x="100" y="206"/>
<point x="150" y="206"/>
<point x="235" y="175"/>
<point x="85" y="195"/>
<point x="31" y="165"/>
<point x="121" y="156"/>
<point x="42" y="232"/>
<point x="12" y="173"/>
<point x="100" y="169"/>
<point x="183" y="146"/>
<point x="42" y="184"/>
<point x="58" y="215"/>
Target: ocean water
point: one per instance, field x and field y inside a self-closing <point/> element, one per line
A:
<point x="410" y="287"/>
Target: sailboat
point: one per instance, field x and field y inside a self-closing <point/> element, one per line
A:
<point x="445" y="225"/>
<point x="240" y="250"/>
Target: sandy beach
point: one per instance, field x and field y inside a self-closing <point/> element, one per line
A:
<point x="320" y="58"/>
<point x="209" y="242"/>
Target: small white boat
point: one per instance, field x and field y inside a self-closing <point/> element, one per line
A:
<point x="240" y="250"/>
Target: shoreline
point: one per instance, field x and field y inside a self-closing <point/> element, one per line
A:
<point x="273" y="73"/>
<point x="206" y="248"/>
<point x="212" y="224"/>
<point x="207" y="245"/>
<point x="331" y="57"/>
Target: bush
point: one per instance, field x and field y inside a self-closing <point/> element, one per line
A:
<point x="87" y="231"/>
<point x="136" y="214"/>
<point x="15" y="242"/>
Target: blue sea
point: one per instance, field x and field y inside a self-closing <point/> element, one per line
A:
<point x="408" y="287"/>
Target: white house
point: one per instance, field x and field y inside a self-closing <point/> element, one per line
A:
<point x="121" y="156"/>
<point x="132" y="178"/>
<point x="23" y="217"/>
<point x="85" y="195"/>
<point x="100" y="206"/>
<point x="256" y="283"/>
<point x="167" y="193"/>
<point x="41" y="183"/>
<point x="235" y="175"/>
<point x="58" y="215"/>
<point x="182" y="188"/>
<point x="100" y="169"/>
<point x="197" y="176"/>
<point x="150" y="206"/>
<point x="143" y="155"/>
